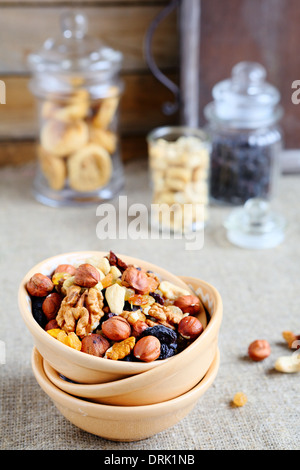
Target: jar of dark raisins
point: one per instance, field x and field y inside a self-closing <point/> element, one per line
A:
<point x="243" y="123"/>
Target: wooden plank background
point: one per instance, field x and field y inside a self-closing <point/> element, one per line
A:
<point x="24" y="25"/>
<point x="266" y="31"/>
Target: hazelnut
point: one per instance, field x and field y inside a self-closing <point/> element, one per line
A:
<point x="259" y="350"/>
<point x="65" y="268"/>
<point x="39" y="285"/>
<point x="95" y="345"/>
<point x="138" y="327"/>
<point x="51" y="325"/>
<point x="190" y="327"/>
<point x="147" y="349"/>
<point x="116" y="328"/>
<point x="87" y="275"/>
<point x="188" y="304"/>
<point x="51" y="305"/>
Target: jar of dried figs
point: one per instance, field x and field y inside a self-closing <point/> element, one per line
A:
<point x="179" y="161"/>
<point x="76" y="80"/>
<point x="243" y="122"/>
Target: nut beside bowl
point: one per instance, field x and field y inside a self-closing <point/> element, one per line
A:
<point x="73" y="364"/>
<point x="171" y="379"/>
<point x="122" y="423"/>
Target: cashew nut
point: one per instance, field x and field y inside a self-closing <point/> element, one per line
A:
<point x="171" y="291"/>
<point x="288" y="364"/>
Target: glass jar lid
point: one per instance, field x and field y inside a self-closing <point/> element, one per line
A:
<point x="255" y="226"/>
<point x="246" y="100"/>
<point x="74" y="54"/>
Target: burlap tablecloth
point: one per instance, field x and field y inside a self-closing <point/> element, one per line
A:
<point x="260" y="291"/>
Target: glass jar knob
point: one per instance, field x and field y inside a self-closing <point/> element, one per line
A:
<point x="248" y="77"/>
<point x="255" y="226"/>
<point x="74" y="25"/>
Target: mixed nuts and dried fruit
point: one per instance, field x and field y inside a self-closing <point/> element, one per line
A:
<point x="109" y="309"/>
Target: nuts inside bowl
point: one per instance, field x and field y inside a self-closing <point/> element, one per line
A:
<point x="107" y="308"/>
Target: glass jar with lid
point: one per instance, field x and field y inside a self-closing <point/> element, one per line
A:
<point x="243" y="122"/>
<point x="179" y="170"/>
<point x="76" y="80"/>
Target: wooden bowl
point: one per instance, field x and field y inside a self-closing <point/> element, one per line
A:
<point x="171" y="379"/>
<point x="122" y="423"/>
<point x="76" y="365"/>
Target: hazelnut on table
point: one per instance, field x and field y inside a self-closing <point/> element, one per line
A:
<point x="259" y="350"/>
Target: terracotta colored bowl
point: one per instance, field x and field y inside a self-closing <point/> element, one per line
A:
<point x="75" y="365"/>
<point x="168" y="381"/>
<point x="122" y="423"/>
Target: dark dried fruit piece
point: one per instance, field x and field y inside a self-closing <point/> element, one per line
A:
<point x="167" y="351"/>
<point x="164" y="334"/>
<point x="37" y="311"/>
<point x="158" y="298"/>
<point x="115" y="261"/>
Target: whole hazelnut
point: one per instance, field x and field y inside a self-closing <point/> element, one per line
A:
<point x="259" y="350"/>
<point x="65" y="268"/>
<point x="138" y="327"/>
<point x="116" y="328"/>
<point x="87" y="275"/>
<point x="51" y="305"/>
<point x="95" y="345"/>
<point x="147" y="349"/>
<point x="190" y="327"/>
<point x="188" y="304"/>
<point x="39" y="285"/>
<point x="52" y="324"/>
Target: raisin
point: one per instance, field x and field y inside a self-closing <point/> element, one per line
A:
<point x="130" y="307"/>
<point x="167" y="351"/>
<point x="37" y="312"/>
<point x="158" y="298"/>
<point x="165" y="335"/>
<point x="115" y="261"/>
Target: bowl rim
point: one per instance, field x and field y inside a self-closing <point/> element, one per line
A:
<point x="117" y="412"/>
<point x="90" y="361"/>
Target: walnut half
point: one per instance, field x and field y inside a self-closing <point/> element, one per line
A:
<point x="80" y="312"/>
<point x="167" y="316"/>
